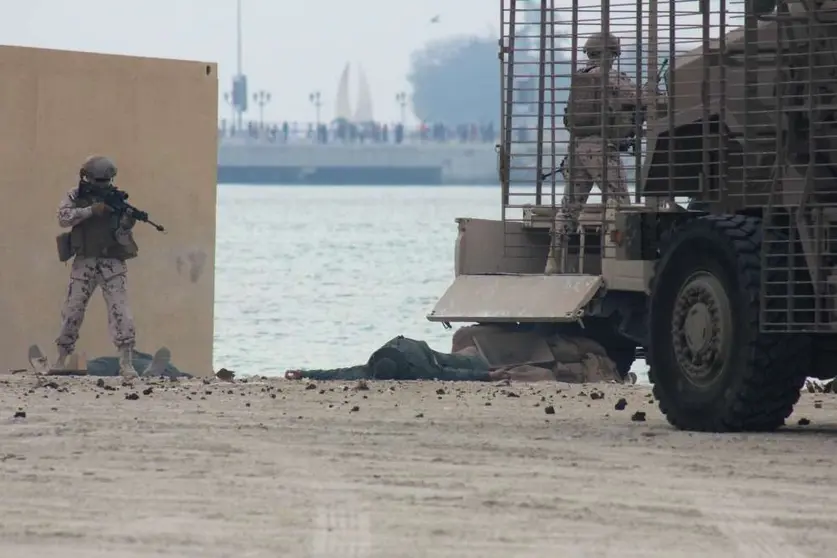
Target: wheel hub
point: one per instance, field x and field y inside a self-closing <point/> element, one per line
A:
<point x="698" y="327"/>
<point x="701" y="325"/>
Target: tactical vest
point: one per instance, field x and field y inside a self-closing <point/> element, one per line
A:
<point x="94" y="237"/>
<point x="624" y="103"/>
<point x="583" y="113"/>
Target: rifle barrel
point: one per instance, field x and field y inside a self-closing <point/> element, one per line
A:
<point x="155" y="225"/>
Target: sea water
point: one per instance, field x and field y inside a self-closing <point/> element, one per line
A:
<point x="319" y="277"/>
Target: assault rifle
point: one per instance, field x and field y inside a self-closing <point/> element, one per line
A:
<point x="661" y="73"/>
<point x="117" y="200"/>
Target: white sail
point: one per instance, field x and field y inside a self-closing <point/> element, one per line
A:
<point x="343" y="110"/>
<point x="364" y="113"/>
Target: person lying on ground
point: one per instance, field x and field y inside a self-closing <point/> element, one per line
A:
<point x="402" y="358"/>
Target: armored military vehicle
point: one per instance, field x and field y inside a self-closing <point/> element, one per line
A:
<point x="724" y="267"/>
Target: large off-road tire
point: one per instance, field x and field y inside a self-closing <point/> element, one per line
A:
<point x="711" y="368"/>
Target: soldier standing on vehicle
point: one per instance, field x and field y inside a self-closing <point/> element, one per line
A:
<point x="583" y="119"/>
<point x="100" y="242"/>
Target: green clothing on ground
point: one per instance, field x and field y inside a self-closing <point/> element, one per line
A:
<point x="109" y="366"/>
<point x="407" y="359"/>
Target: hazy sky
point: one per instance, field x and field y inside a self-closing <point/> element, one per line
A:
<point x="290" y="47"/>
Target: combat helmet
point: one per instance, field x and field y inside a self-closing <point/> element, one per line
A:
<point x="601" y="42"/>
<point x="97" y="168"/>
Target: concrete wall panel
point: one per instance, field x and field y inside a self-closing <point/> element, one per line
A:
<point x="158" y="120"/>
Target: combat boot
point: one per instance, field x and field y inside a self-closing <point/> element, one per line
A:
<point x="61" y="362"/>
<point x="557" y="249"/>
<point x="552" y="267"/>
<point x="126" y="364"/>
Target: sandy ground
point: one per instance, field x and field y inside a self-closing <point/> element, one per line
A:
<point x="399" y="470"/>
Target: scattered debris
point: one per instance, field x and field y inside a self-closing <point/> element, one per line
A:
<point x="148" y="391"/>
<point x="354" y="409"/>
<point x="132" y="396"/>
<point x="311" y="386"/>
<point x="549" y="410"/>
<point x="225" y="375"/>
<point x="638" y="416"/>
<point x="621" y="404"/>
<point x="361" y="385"/>
<point x="20" y="414"/>
<point x="803" y="422"/>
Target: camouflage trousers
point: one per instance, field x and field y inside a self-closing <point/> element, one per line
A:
<point x="88" y="273"/>
<point x="590" y="166"/>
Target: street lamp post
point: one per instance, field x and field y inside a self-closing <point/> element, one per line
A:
<point x="401" y="99"/>
<point x="316" y="100"/>
<point x="239" y="39"/>
<point x="261" y="98"/>
<point x="229" y="100"/>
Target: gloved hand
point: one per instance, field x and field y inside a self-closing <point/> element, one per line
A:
<point x="100" y="209"/>
<point x="127" y="222"/>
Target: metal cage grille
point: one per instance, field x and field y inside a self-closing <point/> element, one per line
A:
<point x="742" y="121"/>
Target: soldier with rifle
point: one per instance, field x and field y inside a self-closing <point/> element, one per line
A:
<point x="100" y="242"/>
<point x="583" y="119"/>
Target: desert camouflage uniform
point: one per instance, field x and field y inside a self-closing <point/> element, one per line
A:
<point x="100" y="244"/>
<point x="88" y="273"/>
<point x="593" y="163"/>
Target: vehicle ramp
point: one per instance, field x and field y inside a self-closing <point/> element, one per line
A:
<point x="516" y="298"/>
